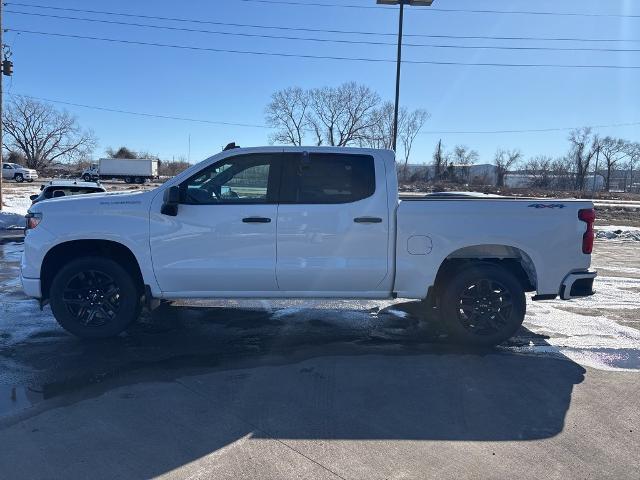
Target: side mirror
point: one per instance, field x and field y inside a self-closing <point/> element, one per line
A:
<point x="33" y="197"/>
<point x="171" y="200"/>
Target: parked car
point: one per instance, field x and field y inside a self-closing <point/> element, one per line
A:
<point x="13" y="171"/>
<point x="131" y="170"/>
<point x="300" y="222"/>
<point x="65" y="188"/>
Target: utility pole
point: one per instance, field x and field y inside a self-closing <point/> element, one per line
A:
<point x="595" y="172"/>
<point x="398" y="71"/>
<point x="1" y="98"/>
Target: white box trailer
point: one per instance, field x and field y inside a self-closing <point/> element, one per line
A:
<point x="131" y="170"/>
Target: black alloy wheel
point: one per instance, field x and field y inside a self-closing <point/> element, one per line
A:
<point x="95" y="297"/>
<point x="485" y="306"/>
<point x="481" y="304"/>
<point x="92" y="298"/>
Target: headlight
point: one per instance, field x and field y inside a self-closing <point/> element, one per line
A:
<point x="33" y="220"/>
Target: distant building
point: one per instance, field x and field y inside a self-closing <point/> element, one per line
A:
<point x="524" y="180"/>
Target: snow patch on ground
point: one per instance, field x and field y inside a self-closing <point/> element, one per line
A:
<point x="19" y="202"/>
<point x="11" y="221"/>
<point x="15" y="206"/>
<point x="617" y="232"/>
<point x="593" y="341"/>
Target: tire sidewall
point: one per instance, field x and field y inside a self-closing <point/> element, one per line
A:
<point x="129" y="300"/>
<point x="452" y="290"/>
<point x="19" y="178"/>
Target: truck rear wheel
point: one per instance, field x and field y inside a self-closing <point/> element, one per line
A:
<point x="94" y="297"/>
<point x="482" y="304"/>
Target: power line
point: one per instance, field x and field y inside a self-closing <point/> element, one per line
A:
<point x="141" y="114"/>
<point x="251" y="125"/>
<point x="534" y="130"/>
<point x="328" y="57"/>
<point x="326" y="40"/>
<point x="319" y="30"/>
<point x="446" y="10"/>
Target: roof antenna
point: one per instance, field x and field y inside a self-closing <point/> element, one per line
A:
<point x="230" y="146"/>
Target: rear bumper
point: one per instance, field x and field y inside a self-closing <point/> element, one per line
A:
<point x="578" y="284"/>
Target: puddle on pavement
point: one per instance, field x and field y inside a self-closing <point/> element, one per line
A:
<point x="13" y="399"/>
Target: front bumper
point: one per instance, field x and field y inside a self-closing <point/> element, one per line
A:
<point x="578" y="284"/>
<point x="30" y="176"/>
<point x="31" y="287"/>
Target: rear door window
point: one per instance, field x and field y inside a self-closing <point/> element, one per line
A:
<point x="319" y="178"/>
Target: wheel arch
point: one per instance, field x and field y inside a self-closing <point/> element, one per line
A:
<point x="512" y="259"/>
<point x="62" y="253"/>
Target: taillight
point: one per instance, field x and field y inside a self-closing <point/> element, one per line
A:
<point x="33" y="220"/>
<point x="589" y="217"/>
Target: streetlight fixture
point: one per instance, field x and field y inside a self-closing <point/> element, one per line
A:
<point x="402" y="3"/>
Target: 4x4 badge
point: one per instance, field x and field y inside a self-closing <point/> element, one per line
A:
<point x="547" y="205"/>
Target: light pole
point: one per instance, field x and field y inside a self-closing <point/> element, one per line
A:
<point x="402" y="3"/>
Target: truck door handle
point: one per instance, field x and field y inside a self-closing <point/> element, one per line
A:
<point x="256" y="220"/>
<point x="367" y="220"/>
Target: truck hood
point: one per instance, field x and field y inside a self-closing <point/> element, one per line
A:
<point x="94" y="202"/>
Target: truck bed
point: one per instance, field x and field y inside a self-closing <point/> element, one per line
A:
<point x="543" y="233"/>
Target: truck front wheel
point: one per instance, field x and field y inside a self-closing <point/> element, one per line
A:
<point x="94" y="297"/>
<point x="86" y="177"/>
<point x="482" y="304"/>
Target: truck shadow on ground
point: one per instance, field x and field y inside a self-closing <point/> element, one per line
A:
<point x="188" y="381"/>
<point x="320" y="373"/>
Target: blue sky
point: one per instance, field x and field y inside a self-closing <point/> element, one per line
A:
<point x="235" y="88"/>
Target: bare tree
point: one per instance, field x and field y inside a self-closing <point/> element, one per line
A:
<point x="504" y="160"/>
<point x="342" y="115"/>
<point x="633" y="149"/>
<point x="564" y="177"/>
<point x="539" y="168"/>
<point x="408" y="130"/>
<point x="614" y="150"/>
<point x="379" y="134"/>
<point x="439" y="161"/>
<point x="122" y="152"/>
<point x="461" y="160"/>
<point x="584" y="147"/>
<point x="174" y="167"/>
<point x="287" y="113"/>
<point x="43" y="134"/>
<point x="464" y="156"/>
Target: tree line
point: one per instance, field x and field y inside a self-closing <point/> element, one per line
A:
<point x="588" y="155"/>
<point x="39" y="136"/>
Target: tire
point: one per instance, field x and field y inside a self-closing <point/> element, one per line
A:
<point x="80" y="300"/>
<point x="30" y="180"/>
<point x="128" y="180"/>
<point x="18" y="178"/>
<point x="482" y="304"/>
<point x="86" y="177"/>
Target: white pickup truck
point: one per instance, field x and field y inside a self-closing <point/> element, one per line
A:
<point x="299" y="222"/>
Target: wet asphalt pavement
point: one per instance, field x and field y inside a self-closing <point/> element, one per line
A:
<point x="333" y="372"/>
